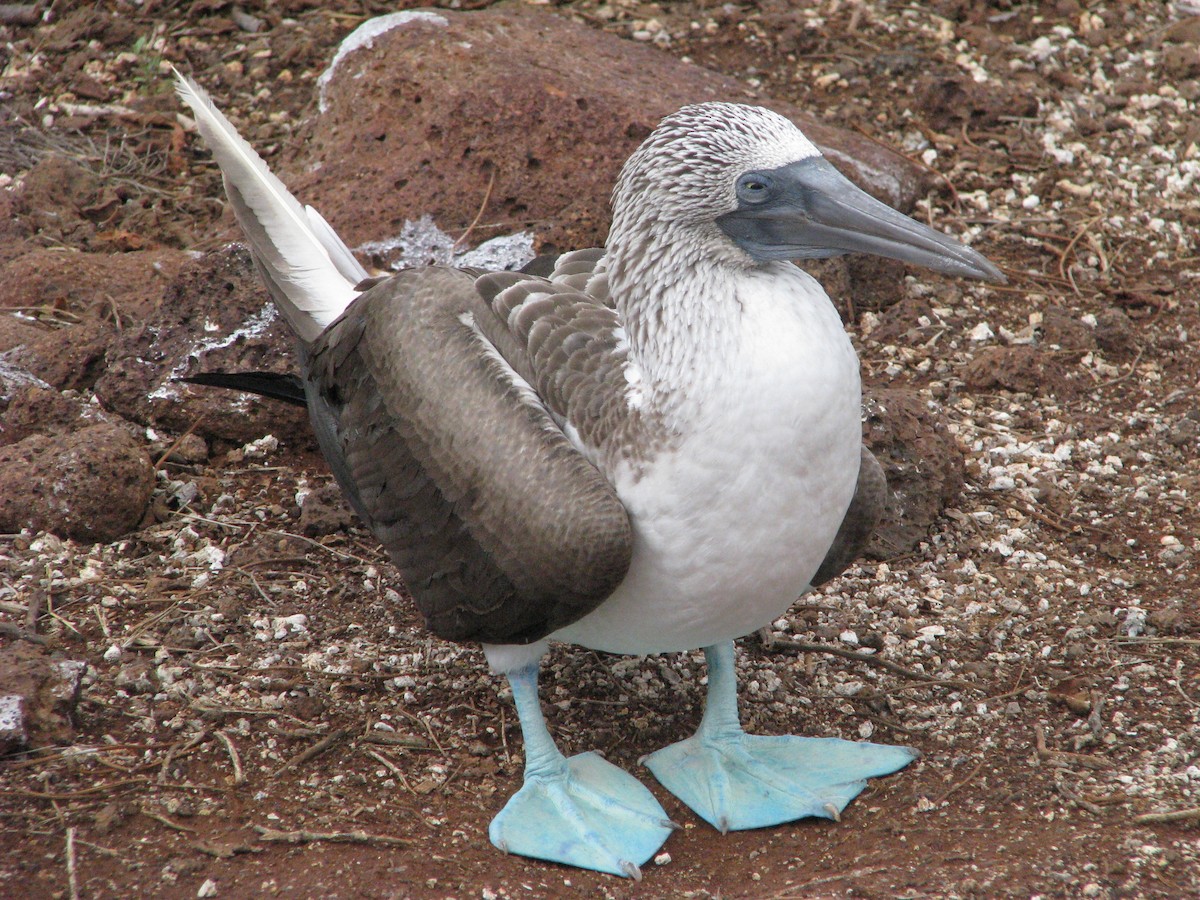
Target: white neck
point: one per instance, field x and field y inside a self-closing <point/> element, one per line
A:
<point x="678" y="299"/>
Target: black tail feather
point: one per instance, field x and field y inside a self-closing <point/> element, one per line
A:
<point x="288" y="388"/>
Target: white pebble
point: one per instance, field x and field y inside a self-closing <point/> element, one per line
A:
<point x="261" y="447"/>
<point x="982" y="332"/>
<point x="208" y="889"/>
<point x="848" y="689"/>
<point x="932" y="631"/>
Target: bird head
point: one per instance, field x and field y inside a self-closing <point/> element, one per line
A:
<point x="746" y="184"/>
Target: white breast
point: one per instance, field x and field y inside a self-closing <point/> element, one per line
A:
<point x="732" y="523"/>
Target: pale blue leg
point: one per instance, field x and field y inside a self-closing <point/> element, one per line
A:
<point x="735" y="780"/>
<point x="581" y="811"/>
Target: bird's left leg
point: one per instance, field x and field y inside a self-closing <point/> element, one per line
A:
<point x="735" y="780"/>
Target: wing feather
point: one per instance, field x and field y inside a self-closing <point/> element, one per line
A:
<point x="567" y="344"/>
<point x="503" y="531"/>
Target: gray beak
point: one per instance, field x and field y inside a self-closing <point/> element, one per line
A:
<point x="809" y="210"/>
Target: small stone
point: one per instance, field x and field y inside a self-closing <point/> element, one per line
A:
<point x="662" y="859"/>
<point x="1115" y="333"/>
<point x="261" y="448"/>
<point x="191" y="449"/>
<point x="208" y="889"/>
<point x="107" y="818"/>
<point x="13" y="735"/>
<point x="981" y="332"/>
<point x="38" y="695"/>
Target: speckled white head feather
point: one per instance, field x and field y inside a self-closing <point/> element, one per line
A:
<point x="688" y="167"/>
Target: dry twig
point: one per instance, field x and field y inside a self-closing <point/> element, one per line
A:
<point x="1169" y="816"/>
<point x="487" y="195"/>
<point x="1063" y="269"/>
<point x="315" y="750"/>
<point x="175" y="826"/>
<point x="1068" y="793"/>
<point x="11" y="629"/>
<point x="869" y="659"/>
<point x="72" y="869"/>
<point x="179" y="440"/>
<point x="173" y="754"/>
<point x="391" y="767"/>
<point x="1064" y="756"/>
<point x="954" y="787"/>
<point x="37" y="600"/>
<point x="239" y="777"/>
<point x="20" y="13"/>
<point x="341" y="837"/>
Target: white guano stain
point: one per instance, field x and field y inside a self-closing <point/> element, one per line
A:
<point x="364" y="36"/>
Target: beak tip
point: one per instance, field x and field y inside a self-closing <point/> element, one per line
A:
<point x="973" y="264"/>
<point x="994" y="275"/>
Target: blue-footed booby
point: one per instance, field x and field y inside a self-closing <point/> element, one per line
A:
<point x="647" y="448"/>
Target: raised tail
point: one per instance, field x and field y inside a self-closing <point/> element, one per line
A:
<point x="308" y="269"/>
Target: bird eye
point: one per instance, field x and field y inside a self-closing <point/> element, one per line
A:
<point x="754" y="187"/>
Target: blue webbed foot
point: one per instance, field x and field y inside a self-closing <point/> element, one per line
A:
<point x="582" y="811"/>
<point x="736" y="781"/>
<point x="751" y="781"/>
<point x="592" y="815"/>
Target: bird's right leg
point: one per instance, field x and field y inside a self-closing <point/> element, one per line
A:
<point x="582" y="811"/>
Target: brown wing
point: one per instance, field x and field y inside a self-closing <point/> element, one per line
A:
<point x="501" y="528"/>
<point x="566" y="343"/>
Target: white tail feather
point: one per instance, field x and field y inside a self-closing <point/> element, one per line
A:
<point x="309" y="270"/>
<point x="338" y="252"/>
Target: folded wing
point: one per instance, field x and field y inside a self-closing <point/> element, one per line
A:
<point x="503" y="531"/>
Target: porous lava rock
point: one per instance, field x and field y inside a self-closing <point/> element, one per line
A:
<point x="92" y="484"/>
<point x="1062" y="331"/>
<point x="39" y="690"/>
<point x="1018" y="368"/>
<point x="68" y="204"/>
<point x="16" y="333"/>
<point x="923" y="464"/>
<point x="215" y="316"/>
<point x="1115" y="333"/>
<point x="68" y="358"/>
<point x="120" y="287"/>
<point x="521" y="114"/>
<point x="28" y="407"/>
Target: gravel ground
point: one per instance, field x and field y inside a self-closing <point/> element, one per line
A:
<point x="262" y="714"/>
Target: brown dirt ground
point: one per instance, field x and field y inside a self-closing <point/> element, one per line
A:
<point x="1060" y="717"/>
